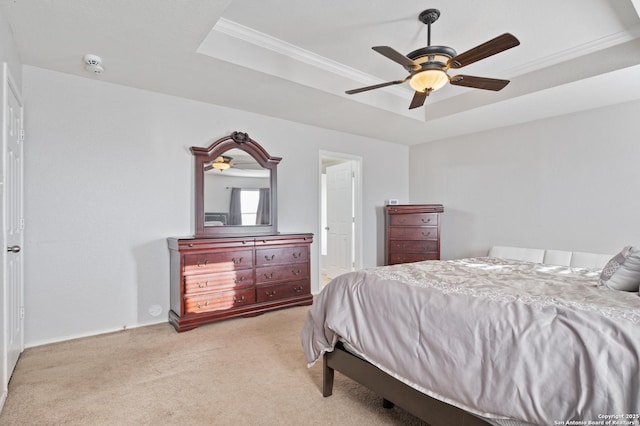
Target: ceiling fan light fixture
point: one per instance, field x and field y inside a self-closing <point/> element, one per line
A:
<point x="221" y="166"/>
<point x="428" y="80"/>
<point x="222" y="163"/>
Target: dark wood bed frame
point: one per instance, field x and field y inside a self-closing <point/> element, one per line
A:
<point x="393" y="391"/>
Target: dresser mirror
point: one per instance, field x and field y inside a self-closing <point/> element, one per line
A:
<point x="235" y="188"/>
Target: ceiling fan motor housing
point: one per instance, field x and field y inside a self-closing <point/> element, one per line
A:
<point x="432" y="54"/>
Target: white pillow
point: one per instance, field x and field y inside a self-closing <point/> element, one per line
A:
<point x="622" y="272"/>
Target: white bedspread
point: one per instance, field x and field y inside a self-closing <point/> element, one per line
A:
<point x="502" y="339"/>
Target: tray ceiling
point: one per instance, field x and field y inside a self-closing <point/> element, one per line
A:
<point x="294" y="60"/>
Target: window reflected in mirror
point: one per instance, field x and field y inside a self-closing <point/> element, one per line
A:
<point x="236" y="191"/>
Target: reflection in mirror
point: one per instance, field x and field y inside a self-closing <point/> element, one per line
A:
<point x="235" y="161"/>
<point x="236" y="191"/>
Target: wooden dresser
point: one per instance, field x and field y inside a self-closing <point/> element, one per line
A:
<point x="213" y="279"/>
<point x="412" y="233"/>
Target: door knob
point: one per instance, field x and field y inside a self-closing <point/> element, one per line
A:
<point x="13" y="249"/>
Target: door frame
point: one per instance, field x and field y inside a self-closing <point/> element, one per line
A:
<point x="357" y="202"/>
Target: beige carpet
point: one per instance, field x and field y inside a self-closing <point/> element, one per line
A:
<point x="248" y="371"/>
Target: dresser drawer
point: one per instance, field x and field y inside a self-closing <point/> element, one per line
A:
<point x="199" y="283"/>
<point x="269" y="293"/>
<point x="406" y="246"/>
<point x="272" y="274"/>
<point x="414" y="219"/>
<point x="411" y="257"/>
<point x="219" y="300"/>
<point x="198" y="263"/>
<point x="282" y="255"/>
<point x="413" y="233"/>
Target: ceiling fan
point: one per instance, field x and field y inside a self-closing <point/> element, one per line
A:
<point x="428" y="66"/>
<point x="225" y="162"/>
<point x="221" y="163"/>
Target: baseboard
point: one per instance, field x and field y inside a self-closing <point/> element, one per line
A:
<point x="90" y="334"/>
<point x="3" y="398"/>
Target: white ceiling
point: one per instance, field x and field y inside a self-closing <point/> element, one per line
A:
<point x="294" y="59"/>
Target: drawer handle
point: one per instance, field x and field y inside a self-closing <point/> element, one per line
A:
<point x="268" y="276"/>
<point x="270" y="257"/>
<point x="270" y="293"/>
<point x="238" y="299"/>
<point x="426" y="221"/>
<point x="238" y="280"/>
<point x="201" y="285"/>
<point x="297" y="289"/>
<point x="402" y="220"/>
<point x="198" y="305"/>
<point x="199" y="265"/>
<point x="296" y="272"/>
<point x="297" y="255"/>
<point x="236" y="261"/>
<point x="427" y="234"/>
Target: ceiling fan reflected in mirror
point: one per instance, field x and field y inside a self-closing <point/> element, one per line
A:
<point x="428" y="66"/>
<point x="226" y="162"/>
<point x="221" y="163"/>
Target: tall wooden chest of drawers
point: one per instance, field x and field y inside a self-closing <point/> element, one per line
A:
<point x="213" y="279"/>
<point x="412" y="232"/>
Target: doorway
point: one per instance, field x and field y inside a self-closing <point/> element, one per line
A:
<point x="340" y="215"/>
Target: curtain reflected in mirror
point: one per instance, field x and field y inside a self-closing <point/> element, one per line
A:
<point x="235" y="209"/>
<point x="263" y="213"/>
<point x="249" y="206"/>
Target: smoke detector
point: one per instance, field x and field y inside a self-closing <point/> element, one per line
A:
<point x="93" y="64"/>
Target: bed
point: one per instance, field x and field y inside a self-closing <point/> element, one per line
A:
<point x="522" y="336"/>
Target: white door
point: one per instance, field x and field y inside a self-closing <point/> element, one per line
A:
<point x="13" y="222"/>
<point x="340" y="217"/>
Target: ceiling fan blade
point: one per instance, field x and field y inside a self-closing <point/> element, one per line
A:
<point x="418" y="99"/>
<point x="478" y="82"/>
<point x="375" y="86"/>
<point x="396" y="56"/>
<point x="490" y="48"/>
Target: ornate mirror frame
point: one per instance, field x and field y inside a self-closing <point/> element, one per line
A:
<point x="205" y="156"/>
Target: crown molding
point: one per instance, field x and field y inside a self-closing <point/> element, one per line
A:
<point x="575" y="52"/>
<point x="265" y="41"/>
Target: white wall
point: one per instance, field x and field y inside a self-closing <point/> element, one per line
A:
<point x="109" y="178"/>
<point x="568" y="182"/>
<point x="9" y="52"/>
